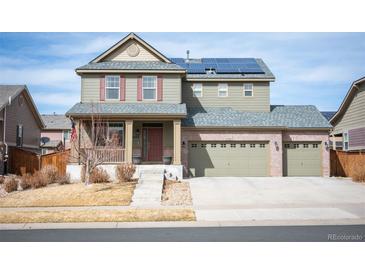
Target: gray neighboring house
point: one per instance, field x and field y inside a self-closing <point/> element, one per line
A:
<point x="349" y="120"/>
<point x="335" y="142"/>
<point x="20" y="122"/>
<point x="56" y="133"/>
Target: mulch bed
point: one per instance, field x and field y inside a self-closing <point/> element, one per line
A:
<point x="176" y="193"/>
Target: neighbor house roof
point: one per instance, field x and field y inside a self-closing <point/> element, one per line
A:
<point x="51" y="144"/>
<point x="131" y="65"/>
<point x="127" y="109"/>
<point x="278" y="117"/>
<point x="12" y="91"/>
<point x="328" y="114"/>
<point x="347" y="100"/>
<point x="56" y="121"/>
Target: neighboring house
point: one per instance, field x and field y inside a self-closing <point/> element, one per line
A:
<point x="349" y="121"/>
<point x="211" y="115"/>
<point x="20" y="122"/>
<point x="56" y="134"/>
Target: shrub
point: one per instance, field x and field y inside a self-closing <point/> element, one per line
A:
<point x="2" y="179"/>
<point x="38" y="180"/>
<point x="358" y="174"/>
<point x="25" y="181"/>
<point x="63" y="180"/>
<point x="10" y="184"/>
<point x="125" y="172"/>
<point x="98" y="176"/>
<point x="50" y="174"/>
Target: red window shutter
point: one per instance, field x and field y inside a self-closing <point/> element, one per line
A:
<point x="139" y="88"/>
<point x="122" y="88"/>
<point x="159" y="88"/>
<point x="102" y="88"/>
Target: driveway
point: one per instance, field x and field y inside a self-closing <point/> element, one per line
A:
<point x="277" y="198"/>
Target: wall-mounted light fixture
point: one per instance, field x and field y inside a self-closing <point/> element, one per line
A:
<point x="276" y="145"/>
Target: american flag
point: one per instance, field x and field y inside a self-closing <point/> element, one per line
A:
<point x="73" y="131"/>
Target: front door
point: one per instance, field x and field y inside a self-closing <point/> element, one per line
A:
<point x="153" y="144"/>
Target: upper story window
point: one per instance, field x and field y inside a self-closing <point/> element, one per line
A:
<point x="223" y="90"/>
<point x="198" y="90"/>
<point x="345" y="141"/>
<point x="149" y="87"/>
<point x="248" y="90"/>
<point x="112" y="87"/>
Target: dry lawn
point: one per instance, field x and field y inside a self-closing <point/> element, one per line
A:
<point x="70" y="216"/>
<point x="107" y="194"/>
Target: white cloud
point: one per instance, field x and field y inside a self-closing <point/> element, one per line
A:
<point x="64" y="99"/>
<point x="52" y="77"/>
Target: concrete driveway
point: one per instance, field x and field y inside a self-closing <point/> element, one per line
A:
<point x="277" y="198"/>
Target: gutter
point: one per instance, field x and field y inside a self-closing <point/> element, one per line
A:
<point x="6" y="156"/>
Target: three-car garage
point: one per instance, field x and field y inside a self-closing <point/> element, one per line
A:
<point x="252" y="158"/>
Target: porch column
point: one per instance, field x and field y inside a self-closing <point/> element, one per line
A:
<point x="177" y="142"/>
<point x="333" y="142"/>
<point x="128" y="140"/>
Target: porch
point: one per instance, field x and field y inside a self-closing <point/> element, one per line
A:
<point x="141" y="141"/>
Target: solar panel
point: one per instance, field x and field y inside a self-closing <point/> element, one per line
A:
<point x="221" y="65"/>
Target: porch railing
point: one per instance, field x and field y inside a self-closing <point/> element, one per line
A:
<point x="107" y="154"/>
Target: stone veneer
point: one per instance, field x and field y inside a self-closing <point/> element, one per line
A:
<point x="274" y="137"/>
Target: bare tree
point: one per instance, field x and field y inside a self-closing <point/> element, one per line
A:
<point x="94" y="149"/>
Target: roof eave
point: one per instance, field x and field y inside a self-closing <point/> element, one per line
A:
<point x="270" y="79"/>
<point x="81" y="71"/>
<point x="340" y="109"/>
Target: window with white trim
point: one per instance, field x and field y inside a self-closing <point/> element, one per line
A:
<point x="248" y="90"/>
<point x="112" y="87"/>
<point x="222" y="90"/>
<point x="198" y="90"/>
<point x="345" y="141"/>
<point x="149" y="87"/>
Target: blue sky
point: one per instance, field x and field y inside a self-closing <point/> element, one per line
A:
<point x="310" y="68"/>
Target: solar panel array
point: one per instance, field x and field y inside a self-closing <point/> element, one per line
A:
<point x="220" y="65"/>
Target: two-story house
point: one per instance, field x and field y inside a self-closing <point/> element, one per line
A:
<point x="212" y="116"/>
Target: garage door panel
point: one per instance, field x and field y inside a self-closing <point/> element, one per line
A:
<point x="228" y="159"/>
<point x="302" y="159"/>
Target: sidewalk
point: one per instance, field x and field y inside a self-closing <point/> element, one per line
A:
<point x="179" y="224"/>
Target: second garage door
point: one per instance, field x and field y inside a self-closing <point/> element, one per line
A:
<point x="302" y="159"/>
<point x="218" y="159"/>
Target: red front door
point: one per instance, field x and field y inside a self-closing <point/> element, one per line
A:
<point x="154" y="144"/>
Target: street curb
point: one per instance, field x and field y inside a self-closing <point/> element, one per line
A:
<point x="111" y="225"/>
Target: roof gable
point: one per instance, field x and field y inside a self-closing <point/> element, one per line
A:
<point x="8" y="94"/>
<point x="347" y="100"/>
<point x="131" y="48"/>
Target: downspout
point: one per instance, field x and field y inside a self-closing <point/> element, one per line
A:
<point x="6" y="156"/>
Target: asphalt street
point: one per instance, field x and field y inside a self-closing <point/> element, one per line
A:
<point x="321" y="233"/>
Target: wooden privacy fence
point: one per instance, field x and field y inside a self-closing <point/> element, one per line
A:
<point x="343" y="163"/>
<point x="21" y="161"/>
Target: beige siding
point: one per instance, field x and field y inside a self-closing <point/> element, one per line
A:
<point x="90" y="88"/>
<point x="21" y="114"/>
<point x="260" y="101"/>
<point x="354" y="116"/>
<point x="121" y="54"/>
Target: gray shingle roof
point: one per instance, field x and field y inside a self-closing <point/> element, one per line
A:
<point x="131" y="65"/>
<point x="328" y="114"/>
<point x="56" y="121"/>
<point x="128" y="109"/>
<point x="267" y="74"/>
<point x="51" y="144"/>
<point x="279" y="116"/>
<point x="7" y="91"/>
